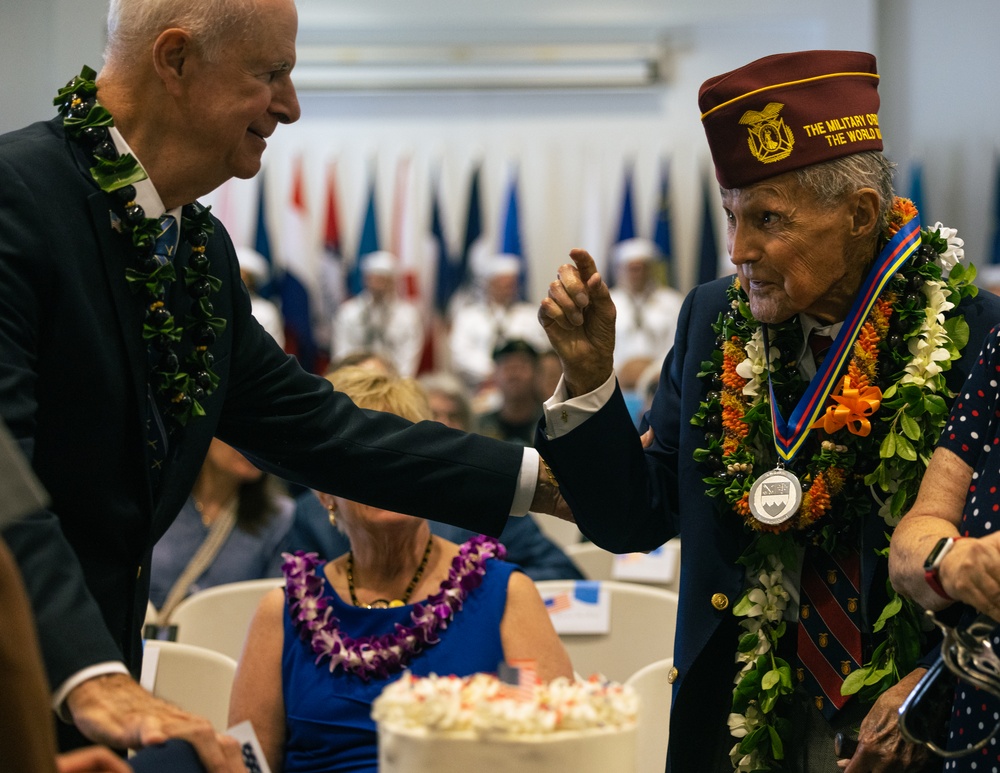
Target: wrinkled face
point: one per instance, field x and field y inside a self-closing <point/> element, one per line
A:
<point x="234" y="103"/>
<point x="792" y="253"/>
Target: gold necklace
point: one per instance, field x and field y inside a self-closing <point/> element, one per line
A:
<point x="385" y="603"/>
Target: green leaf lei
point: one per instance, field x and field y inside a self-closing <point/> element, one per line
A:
<point x="179" y="391"/>
<point x="910" y="341"/>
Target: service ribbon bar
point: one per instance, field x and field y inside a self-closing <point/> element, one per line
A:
<point x="789" y="436"/>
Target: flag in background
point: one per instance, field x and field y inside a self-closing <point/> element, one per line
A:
<point x="662" y="234"/>
<point x="708" y="260"/>
<point x="402" y="242"/>
<point x="917" y="189"/>
<point x="299" y="296"/>
<point x="332" y="288"/>
<point x="368" y="242"/>
<point x="473" y="228"/>
<point x="995" y="251"/>
<point x="511" y="238"/>
<point x="626" y="223"/>
<point x="262" y="241"/>
<point x="447" y="271"/>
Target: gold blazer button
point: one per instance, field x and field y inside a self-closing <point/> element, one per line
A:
<point x="720" y="601"/>
<point x="672" y="675"/>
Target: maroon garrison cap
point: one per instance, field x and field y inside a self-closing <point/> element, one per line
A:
<point x="788" y="111"/>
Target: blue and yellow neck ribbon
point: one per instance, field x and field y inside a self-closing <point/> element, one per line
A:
<point x="790" y="435"/>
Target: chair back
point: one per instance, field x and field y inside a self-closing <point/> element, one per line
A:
<point x="217" y="618"/>
<point x="194" y="678"/>
<point x="653" y="687"/>
<point x="641" y="631"/>
<point x="596" y="563"/>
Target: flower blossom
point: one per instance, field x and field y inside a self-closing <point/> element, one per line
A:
<point x="954" y="252"/>
<point x="755" y="364"/>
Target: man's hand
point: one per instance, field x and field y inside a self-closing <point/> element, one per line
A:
<point x="93" y="759"/>
<point x="579" y="318"/>
<point x="114" y="710"/>
<point x="881" y="747"/>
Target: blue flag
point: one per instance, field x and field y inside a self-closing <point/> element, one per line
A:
<point x="708" y="260"/>
<point x="511" y="240"/>
<point x="661" y="227"/>
<point x="473" y="227"/>
<point x="447" y="271"/>
<point x="626" y="223"/>
<point x="368" y="242"/>
<point x="995" y="251"/>
<point x="917" y="189"/>
<point x="262" y="243"/>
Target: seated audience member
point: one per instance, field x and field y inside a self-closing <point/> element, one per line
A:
<point x="311" y="717"/>
<point x="233" y="527"/>
<point x="255" y="273"/>
<point x="944" y="550"/>
<point x="378" y="320"/>
<point x="527" y="546"/>
<point x="519" y="409"/>
<point x="478" y="326"/>
<point x="647" y="311"/>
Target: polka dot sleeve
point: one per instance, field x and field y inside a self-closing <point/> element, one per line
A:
<point x="972" y="428"/>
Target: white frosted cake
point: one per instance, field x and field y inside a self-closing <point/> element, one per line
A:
<point x="457" y="725"/>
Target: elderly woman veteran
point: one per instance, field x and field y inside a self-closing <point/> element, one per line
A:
<point x="773" y="463"/>
<point x="945" y="550"/>
<point x="313" y="713"/>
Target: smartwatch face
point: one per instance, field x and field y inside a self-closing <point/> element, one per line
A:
<point x="937" y="553"/>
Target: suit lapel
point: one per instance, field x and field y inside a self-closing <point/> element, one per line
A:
<point x="114" y="257"/>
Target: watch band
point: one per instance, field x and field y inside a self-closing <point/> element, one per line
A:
<point x="932" y="565"/>
<point x="931" y="575"/>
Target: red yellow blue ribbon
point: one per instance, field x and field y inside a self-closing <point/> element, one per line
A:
<point x="790" y="435"/>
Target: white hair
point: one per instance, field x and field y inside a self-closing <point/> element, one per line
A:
<point x="135" y="24"/>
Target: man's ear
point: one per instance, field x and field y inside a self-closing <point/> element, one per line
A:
<point x="865" y="215"/>
<point x="171" y="51"/>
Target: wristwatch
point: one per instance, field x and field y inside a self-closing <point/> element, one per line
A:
<point x="932" y="565"/>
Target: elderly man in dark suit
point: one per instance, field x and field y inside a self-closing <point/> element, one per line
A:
<point x="127" y="343"/>
<point x="780" y="466"/>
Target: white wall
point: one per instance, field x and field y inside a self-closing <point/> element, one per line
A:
<point x="938" y="94"/>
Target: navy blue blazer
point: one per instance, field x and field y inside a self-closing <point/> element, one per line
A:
<point x="627" y="499"/>
<point x="73" y="372"/>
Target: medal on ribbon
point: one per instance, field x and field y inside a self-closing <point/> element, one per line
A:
<point x="853" y="409"/>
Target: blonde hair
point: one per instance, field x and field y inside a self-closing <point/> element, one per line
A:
<point x="382" y="392"/>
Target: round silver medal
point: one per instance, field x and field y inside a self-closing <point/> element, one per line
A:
<point x="775" y="497"/>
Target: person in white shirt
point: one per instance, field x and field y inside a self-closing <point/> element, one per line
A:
<point x="255" y="273"/>
<point x="647" y="311"/>
<point x="478" y="327"/>
<point x="379" y="321"/>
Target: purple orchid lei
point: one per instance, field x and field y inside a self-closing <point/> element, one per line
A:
<point x="380" y="656"/>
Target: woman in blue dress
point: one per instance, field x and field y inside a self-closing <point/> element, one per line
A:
<point x="321" y="650"/>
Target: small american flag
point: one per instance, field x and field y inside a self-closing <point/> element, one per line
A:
<point x="558" y="603"/>
<point x="520" y="678"/>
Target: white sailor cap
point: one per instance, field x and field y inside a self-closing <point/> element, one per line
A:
<point x="631" y="250"/>
<point x="380" y="262"/>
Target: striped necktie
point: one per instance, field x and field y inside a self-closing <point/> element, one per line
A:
<point x="829" y="635"/>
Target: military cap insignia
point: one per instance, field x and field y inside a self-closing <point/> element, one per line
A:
<point x="769" y="138"/>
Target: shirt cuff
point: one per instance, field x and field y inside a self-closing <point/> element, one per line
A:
<point x="563" y="413"/>
<point x="527" y="479"/>
<point x="98" y="669"/>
